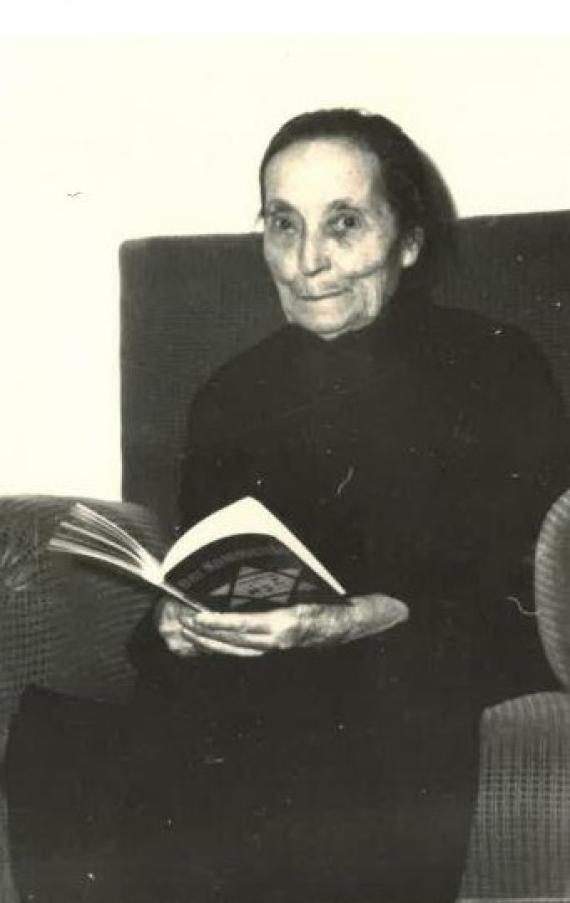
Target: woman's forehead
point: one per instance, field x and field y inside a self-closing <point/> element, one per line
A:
<point x="322" y="172"/>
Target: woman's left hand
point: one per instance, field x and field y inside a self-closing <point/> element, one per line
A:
<point x="300" y="626"/>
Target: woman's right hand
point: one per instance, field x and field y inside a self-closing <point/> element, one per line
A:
<point x="174" y="624"/>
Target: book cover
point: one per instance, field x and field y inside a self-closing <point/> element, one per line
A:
<point x="241" y="557"/>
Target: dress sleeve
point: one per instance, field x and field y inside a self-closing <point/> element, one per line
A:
<point x="510" y="461"/>
<point x="212" y="474"/>
<point x="215" y="466"/>
<point x="475" y="626"/>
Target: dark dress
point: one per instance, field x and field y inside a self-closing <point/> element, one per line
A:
<point x="415" y="458"/>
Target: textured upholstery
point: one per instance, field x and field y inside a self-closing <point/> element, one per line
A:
<point x="520" y="841"/>
<point x="552" y="583"/>
<point x="63" y="625"/>
<point x="190" y="303"/>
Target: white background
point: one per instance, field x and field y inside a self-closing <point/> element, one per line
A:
<point x="105" y="138"/>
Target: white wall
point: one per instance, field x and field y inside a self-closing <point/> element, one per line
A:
<point x="163" y="136"/>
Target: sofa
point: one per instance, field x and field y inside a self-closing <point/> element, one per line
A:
<point x="187" y="304"/>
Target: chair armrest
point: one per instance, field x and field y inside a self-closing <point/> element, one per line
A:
<point x="520" y="840"/>
<point x="65" y="621"/>
<point x="552" y="587"/>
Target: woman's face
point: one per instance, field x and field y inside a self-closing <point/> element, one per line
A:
<point x="331" y="240"/>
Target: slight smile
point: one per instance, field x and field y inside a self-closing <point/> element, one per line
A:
<point x="322" y="297"/>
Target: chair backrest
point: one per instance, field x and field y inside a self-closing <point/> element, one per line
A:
<point x="188" y="304"/>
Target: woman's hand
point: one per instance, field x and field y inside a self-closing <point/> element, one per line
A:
<point x="173" y="621"/>
<point x="304" y="625"/>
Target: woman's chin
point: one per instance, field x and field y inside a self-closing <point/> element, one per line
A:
<point x="328" y="328"/>
<point x="327" y="324"/>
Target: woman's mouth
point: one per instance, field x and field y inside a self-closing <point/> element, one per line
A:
<point x="321" y="296"/>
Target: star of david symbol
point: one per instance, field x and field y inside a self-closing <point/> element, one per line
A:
<point x="259" y="583"/>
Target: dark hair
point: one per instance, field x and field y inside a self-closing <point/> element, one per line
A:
<point x="414" y="187"/>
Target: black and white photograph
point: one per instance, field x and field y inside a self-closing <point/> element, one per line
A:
<point x="285" y="467"/>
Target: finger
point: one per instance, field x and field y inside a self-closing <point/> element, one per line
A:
<point x="263" y="642"/>
<point x="212" y="645"/>
<point x="233" y="622"/>
<point x="179" y="645"/>
<point x="172" y="607"/>
<point x="169" y="615"/>
<point x="215" y="643"/>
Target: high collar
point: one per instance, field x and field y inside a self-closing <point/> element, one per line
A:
<point x="399" y="326"/>
<point x="357" y="359"/>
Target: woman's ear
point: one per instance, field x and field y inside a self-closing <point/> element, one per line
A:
<point x="411" y="246"/>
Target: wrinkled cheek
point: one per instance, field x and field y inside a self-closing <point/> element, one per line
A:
<point x="369" y="295"/>
<point x="369" y="267"/>
<point x="281" y="265"/>
<point x="287" y="302"/>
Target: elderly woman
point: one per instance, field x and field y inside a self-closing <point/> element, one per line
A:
<point x="328" y="753"/>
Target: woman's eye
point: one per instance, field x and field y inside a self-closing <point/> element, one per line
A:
<point x="345" y="222"/>
<point x="280" y="222"/>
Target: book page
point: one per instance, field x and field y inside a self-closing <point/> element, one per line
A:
<point x="245" y="516"/>
<point x="251" y="572"/>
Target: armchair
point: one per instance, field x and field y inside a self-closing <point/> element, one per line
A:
<point x="188" y="304"/>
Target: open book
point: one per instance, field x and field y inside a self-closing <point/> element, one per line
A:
<point x="240" y="557"/>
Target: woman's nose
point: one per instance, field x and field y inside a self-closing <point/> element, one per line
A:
<point x="313" y="256"/>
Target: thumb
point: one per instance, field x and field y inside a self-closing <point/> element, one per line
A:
<point x="167" y="615"/>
